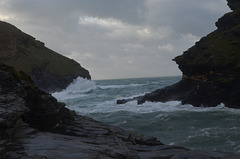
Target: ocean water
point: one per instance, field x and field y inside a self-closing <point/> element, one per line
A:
<point x="172" y="123"/>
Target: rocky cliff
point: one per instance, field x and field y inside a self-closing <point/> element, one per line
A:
<point x="49" y="70"/>
<point x="35" y="126"/>
<point x="211" y="68"/>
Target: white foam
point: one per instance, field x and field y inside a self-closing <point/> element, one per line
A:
<point x="81" y="85"/>
<point x="149" y="107"/>
<point x="176" y="106"/>
<point x="76" y="89"/>
<point x="80" y="88"/>
<point x="111" y="106"/>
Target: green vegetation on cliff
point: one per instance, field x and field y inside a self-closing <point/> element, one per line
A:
<point x="217" y="52"/>
<point x="45" y="66"/>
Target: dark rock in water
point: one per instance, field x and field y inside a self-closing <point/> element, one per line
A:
<point x="211" y="68"/>
<point x="123" y="101"/>
<point x="35" y="126"/>
<point x="197" y="93"/>
<point x="49" y="70"/>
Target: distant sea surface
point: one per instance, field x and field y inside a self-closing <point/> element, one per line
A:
<point x="172" y="123"/>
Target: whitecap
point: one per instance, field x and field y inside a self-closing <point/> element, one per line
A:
<point x="76" y="89"/>
<point x="151" y="107"/>
<point x="175" y="106"/>
<point x="81" y="85"/>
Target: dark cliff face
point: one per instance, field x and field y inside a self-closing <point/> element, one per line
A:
<point x="217" y="53"/>
<point x="213" y="63"/>
<point x="211" y="68"/>
<point x="49" y="70"/>
<point x="40" y="109"/>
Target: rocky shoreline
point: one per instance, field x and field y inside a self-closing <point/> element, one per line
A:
<point x="34" y="125"/>
<point x="211" y="68"/>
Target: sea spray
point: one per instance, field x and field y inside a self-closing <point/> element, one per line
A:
<point x="216" y="128"/>
<point x="76" y="89"/>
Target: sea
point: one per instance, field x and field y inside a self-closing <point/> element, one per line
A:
<point x="198" y="128"/>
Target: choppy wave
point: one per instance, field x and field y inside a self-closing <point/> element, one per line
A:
<point x="81" y="89"/>
<point x="119" y="86"/>
<point x="148" y="107"/>
<point x="76" y="89"/>
<point x="80" y="86"/>
<point x="212" y="128"/>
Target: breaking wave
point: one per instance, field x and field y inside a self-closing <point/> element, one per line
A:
<point x="214" y="128"/>
<point x="76" y="89"/>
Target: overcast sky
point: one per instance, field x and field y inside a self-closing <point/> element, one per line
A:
<point x="117" y="38"/>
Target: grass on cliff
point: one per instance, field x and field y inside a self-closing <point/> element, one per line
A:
<point x="218" y="49"/>
<point x="25" y="53"/>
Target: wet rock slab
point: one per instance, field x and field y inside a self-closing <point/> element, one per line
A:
<point x="110" y="145"/>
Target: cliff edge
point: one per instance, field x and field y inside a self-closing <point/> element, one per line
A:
<point x="49" y="70"/>
<point x="211" y="68"/>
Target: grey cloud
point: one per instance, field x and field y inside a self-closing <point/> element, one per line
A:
<point x="186" y="15"/>
<point x="127" y="10"/>
<point x="131" y="11"/>
<point x="119" y="38"/>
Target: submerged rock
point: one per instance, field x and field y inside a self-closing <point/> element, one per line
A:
<point x="34" y="125"/>
<point x="49" y="70"/>
<point x="211" y="68"/>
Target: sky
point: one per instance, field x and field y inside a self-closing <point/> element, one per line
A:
<point x="117" y="38"/>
